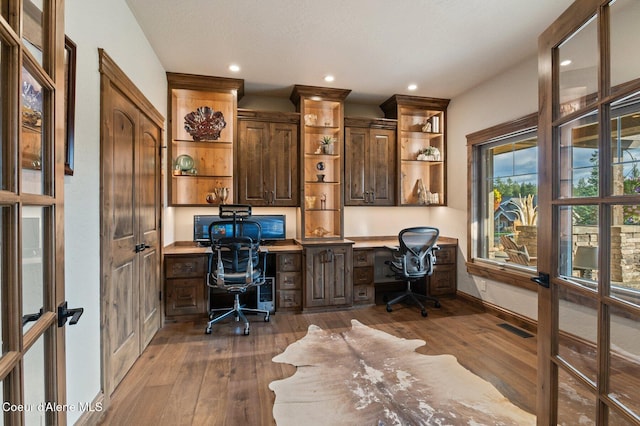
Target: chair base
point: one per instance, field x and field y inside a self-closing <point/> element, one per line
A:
<point x="415" y="297"/>
<point x="237" y="311"/>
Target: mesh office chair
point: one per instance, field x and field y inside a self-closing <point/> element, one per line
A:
<point x="236" y="263"/>
<point x="413" y="261"/>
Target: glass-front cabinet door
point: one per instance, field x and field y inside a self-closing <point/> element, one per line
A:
<point x="589" y="216"/>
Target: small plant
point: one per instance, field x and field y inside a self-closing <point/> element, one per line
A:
<point x="326" y="140"/>
<point x="429" y="153"/>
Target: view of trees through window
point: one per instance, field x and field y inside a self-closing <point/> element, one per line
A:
<point x="510" y="186"/>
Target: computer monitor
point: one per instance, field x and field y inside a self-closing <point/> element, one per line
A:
<point x="273" y="227"/>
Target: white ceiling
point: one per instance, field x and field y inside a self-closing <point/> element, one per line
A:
<point x="376" y="48"/>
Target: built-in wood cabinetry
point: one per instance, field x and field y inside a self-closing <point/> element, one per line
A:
<point x="288" y="281"/>
<point x="202" y="129"/>
<point x="185" y="284"/>
<point x="421" y="150"/>
<point x="363" y="276"/>
<point x="321" y="165"/>
<point x="328" y="275"/>
<point x="370" y="162"/>
<point x="268" y="158"/>
<point x="443" y="280"/>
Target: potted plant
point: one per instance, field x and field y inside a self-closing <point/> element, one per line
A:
<point x="326" y="145"/>
<point x="429" y="153"/>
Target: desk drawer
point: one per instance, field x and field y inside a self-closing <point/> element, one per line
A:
<point x="289" y="280"/>
<point x="289" y="299"/>
<point x="445" y="255"/>
<point x="184" y="266"/>
<point x="363" y="294"/>
<point x="287" y="262"/>
<point x="363" y="275"/>
<point x="363" y="258"/>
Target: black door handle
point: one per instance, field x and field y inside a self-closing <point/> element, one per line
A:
<point x="32" y="317"/>
<point x="542" y="279"/>
<point x="141" y="247"/>
<point x="64" y="313"/>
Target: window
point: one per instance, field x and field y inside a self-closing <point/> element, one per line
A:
<point x="503" y="192"/>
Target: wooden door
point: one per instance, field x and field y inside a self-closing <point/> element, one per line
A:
<point x="382" y="167"/>
<point x="356" y="174"/>
<point x="268" y="163"/>
<point x="283" y="165"/>
<point x="588" y="222"/>
<point x="148" y="213"/>
<point x="32" y="275"/>
<point x="254" y="183"/>
<point x="339" y="275"/>
<point x="131" y="243"/>
<point x="328" y="276"/>
<point x="370" y="166"/>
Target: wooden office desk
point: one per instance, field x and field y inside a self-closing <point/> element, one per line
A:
<point x="185" y="266"/>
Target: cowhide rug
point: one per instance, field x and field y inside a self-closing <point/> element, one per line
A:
<point x="367" y="377"/>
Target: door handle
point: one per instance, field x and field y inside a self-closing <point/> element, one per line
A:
<point x="141" y="247"/>
<point x="542" y="279"/>
<point x="64" y="313"/>
<point x="32" y="317"/>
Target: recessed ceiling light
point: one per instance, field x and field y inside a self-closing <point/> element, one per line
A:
<point x="329" y="78"/>
<point x="234" y="68"/>
<point x="565" y="62"/>
<point x="412" y="87"/>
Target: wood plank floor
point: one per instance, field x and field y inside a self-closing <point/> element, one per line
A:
<point x="186" y="377"/>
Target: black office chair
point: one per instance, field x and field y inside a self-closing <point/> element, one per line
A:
<point x="236" y="262"/>
<point x="414" y="261"/>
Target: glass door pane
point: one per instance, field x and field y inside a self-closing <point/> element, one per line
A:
<point x="4" y="90"/>
<point x="33" y="27"/>
<point x="624" y="365"/>
<point x="624" y="39"/>
<point x="578" y="76"/>
<point x="33" y="282"/>
<point x="33" y="134"/>
<point x="576" y="402"/>
<point x="578" y="151"/>
<point x="625" y="147"/>
<point x="35" y="383"/>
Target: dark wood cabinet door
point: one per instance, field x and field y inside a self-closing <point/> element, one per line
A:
<point x="370" y="166"/>
<point x="328" y="277"/>
<point x="382" y="167"/>
<point x="253" y="152"/>
<point x="355" y="177"/>
<point x="283" y="159"/>
<point x="268" y="163"/>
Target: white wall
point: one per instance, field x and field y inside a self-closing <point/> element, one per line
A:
<point x="505" y="97"/>
<point x="110" y="25"/>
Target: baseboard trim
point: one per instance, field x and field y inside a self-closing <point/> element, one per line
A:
<point x="94" y="413"/>
<point x="502" y="313"/>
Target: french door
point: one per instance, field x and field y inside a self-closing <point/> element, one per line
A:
<point x="589" y="216"/>
<point x="32" y="154"/>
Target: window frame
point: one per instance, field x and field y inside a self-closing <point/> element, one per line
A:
<point x="497" y="271"/>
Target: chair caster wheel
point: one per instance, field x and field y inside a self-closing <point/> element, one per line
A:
<point x="207" y="331"/>
<point x="437" y="304"/>
<point x="246" y="331"/>
<point x="389" y="308"/>
<point x="267" y="319"/>
<point x="424" y="313"/>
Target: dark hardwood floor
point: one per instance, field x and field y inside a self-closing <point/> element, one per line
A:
<point x="186" y="377"/>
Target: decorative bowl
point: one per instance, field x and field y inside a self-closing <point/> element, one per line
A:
<point x="204" y="124"/>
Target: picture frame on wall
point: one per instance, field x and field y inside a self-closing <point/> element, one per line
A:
<point x="70" y="103"/>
